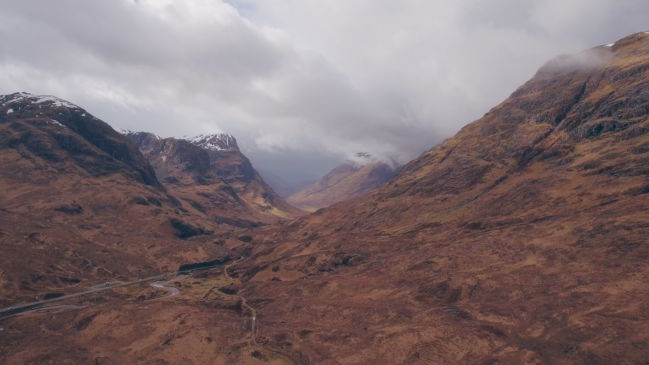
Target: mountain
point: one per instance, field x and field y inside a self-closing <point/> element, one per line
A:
<point x="80" y="204"/>
<point x="89" y="236"/>
<point x="520" y="240"/>
<point x="346" y="181"/>
<point x="217" y="180"/>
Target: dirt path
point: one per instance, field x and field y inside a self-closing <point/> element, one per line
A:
<point x="253" y="321"/>
<point x="245" y="305"/>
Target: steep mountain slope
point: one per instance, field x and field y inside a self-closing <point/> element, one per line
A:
<point x="520" y="240"/>
<point x="80" y="204"/>
<point x="215" y="178"/>
<point x="343" y="182"/>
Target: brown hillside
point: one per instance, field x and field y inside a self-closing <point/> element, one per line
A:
<point x="521" y="240"/>
<point x="80" y="204"/>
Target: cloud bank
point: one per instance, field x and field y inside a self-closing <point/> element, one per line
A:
<point x="302" y="84"/>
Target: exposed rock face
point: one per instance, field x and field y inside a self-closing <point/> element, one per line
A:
<point x="214" y="177"/>
<point x="343" y="182"/>
<point x="520" y="240"/>
<point x="80" y="201"/>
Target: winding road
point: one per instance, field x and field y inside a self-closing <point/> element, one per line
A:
<point x="157" y="281"/>
<point x="31" y="306"/>
<point x="173" y="291"/>
<point x="39" y="305"/>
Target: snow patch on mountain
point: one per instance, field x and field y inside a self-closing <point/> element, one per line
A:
<point x="214" y="142"/>
<point x="211" y="142"/>
<point x="23" y="97"/>
<point x="56" y="123"/>
<point x="128" y="132"/>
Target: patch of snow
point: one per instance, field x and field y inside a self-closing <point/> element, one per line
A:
<point x="164" y="158"/>
<point x="609" y="45"/>
<point x="37" y="99"/>
<point x="17" y="97"/>
<point x="56" y="123"/>
<point x="215" y="142"/>
<point x="83" y="115"/>
<point x="128" y="132"/>
<point x="55" y="101"/>
<point x="10" y="110"/>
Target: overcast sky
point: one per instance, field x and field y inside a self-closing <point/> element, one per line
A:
<point x="302" y="84"/>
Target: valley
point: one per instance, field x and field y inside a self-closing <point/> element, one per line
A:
<point x="522" y="239"/>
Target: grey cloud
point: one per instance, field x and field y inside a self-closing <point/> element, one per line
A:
<point x="302" y="84"/>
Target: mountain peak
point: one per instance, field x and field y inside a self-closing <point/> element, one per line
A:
<point x="133" y="134"/>
<point x="215" y="142"/>
<point x="27" y="98"/>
